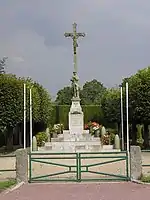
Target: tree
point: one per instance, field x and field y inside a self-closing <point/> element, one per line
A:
<point x="92" y="92"/>
<point x="11" y="101"/>
<point x="139" y="101"/>
<point x="64" y="96"/>
<point x="2" y="65"/>
<point x="11" y="106"/>
<point x="111" y="106"/>
<point x="45" y="103"/>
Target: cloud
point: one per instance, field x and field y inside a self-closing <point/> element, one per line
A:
<point x="116" y="43"/>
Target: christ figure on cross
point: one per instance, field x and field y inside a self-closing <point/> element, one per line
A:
<point x="74" y="37"/>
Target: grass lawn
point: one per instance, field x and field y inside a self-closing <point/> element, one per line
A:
<point x="6" y="184"/>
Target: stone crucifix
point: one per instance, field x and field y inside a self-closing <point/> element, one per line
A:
<point x="75" y="37"/>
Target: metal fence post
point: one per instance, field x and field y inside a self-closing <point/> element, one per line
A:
<point x="127" y="166"/>
<point x="79" y="167"/>
<point x="30" y="167"/>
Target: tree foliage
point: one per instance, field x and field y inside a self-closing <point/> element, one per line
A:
<point x="12" y="101"/>
<point x="2" y="65"/>
<point x="45" y="104"/>
<point x="64" y="96"/>
<point x="139" y="103"/>
<point x="92" y="92"/>
<point x="111" y="105"/>
<point x="139" y="96"/>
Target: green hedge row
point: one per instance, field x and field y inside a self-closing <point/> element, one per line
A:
<point x="91" y="113"/>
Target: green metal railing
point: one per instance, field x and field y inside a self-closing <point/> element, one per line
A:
<point x="52" y="157"/>
<point x="7" y="170"/>
<point x="103" y="176"/>
<point x="145" y="165"/>
<point x="79" y="169"/>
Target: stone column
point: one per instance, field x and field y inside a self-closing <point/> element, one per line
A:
<point x="136" y="162"/>
<point x="21" y="165"/>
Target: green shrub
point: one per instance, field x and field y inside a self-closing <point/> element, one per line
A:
<point x="145" y="179"/>
<point x="112" y="130"/>
<point x="139" y="136"/>
<point x="41" y="138"/>
<point x="112" y="138"/>
<point x="91" y="113"/>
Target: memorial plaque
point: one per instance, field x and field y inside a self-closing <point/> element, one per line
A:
<point x="76" y="120"/>
<point x="76" y="123"/>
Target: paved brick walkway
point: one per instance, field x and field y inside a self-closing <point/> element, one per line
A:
<point x="91" y="191"/>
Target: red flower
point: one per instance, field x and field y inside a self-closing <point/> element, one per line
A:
<point x="94" y="124"/>
<point x="86" y="126"/>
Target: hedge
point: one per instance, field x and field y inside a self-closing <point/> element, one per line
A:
<point x="91" y="113"/>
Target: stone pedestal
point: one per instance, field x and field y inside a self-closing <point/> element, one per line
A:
<point x="76" y="117"/>
<point x="136" y="162"/>
<point x="21" y="165"/>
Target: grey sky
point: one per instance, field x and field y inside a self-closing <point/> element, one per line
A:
<point x="116" y="45"/>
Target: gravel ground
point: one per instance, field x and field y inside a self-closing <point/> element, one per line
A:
<point x="93" y="191"/>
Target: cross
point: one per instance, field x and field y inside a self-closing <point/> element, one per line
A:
<point x="74" y="37"/>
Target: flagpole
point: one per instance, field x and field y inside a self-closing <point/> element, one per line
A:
<point x="30" y="119"/>
<point x="127" y="110"/>
<point x="122" y="131"/>
<point x="128" y="139"/>
<point x="24" y="141"/>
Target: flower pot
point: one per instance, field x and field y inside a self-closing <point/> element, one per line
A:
<point x="97" y="133"/>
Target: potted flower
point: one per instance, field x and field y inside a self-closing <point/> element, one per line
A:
<point x="105" y="139"/>
<point x="108" y="141"/>
<point x="94" y="128"/>
<point x="57" y="129"/>
<point x="54" y="132"/>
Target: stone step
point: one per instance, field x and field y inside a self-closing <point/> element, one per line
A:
<point x="57" y="139"/>
<point x="48" y="148"/>
<point x="73" y="146"/>
<point x="80" y="147"/>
